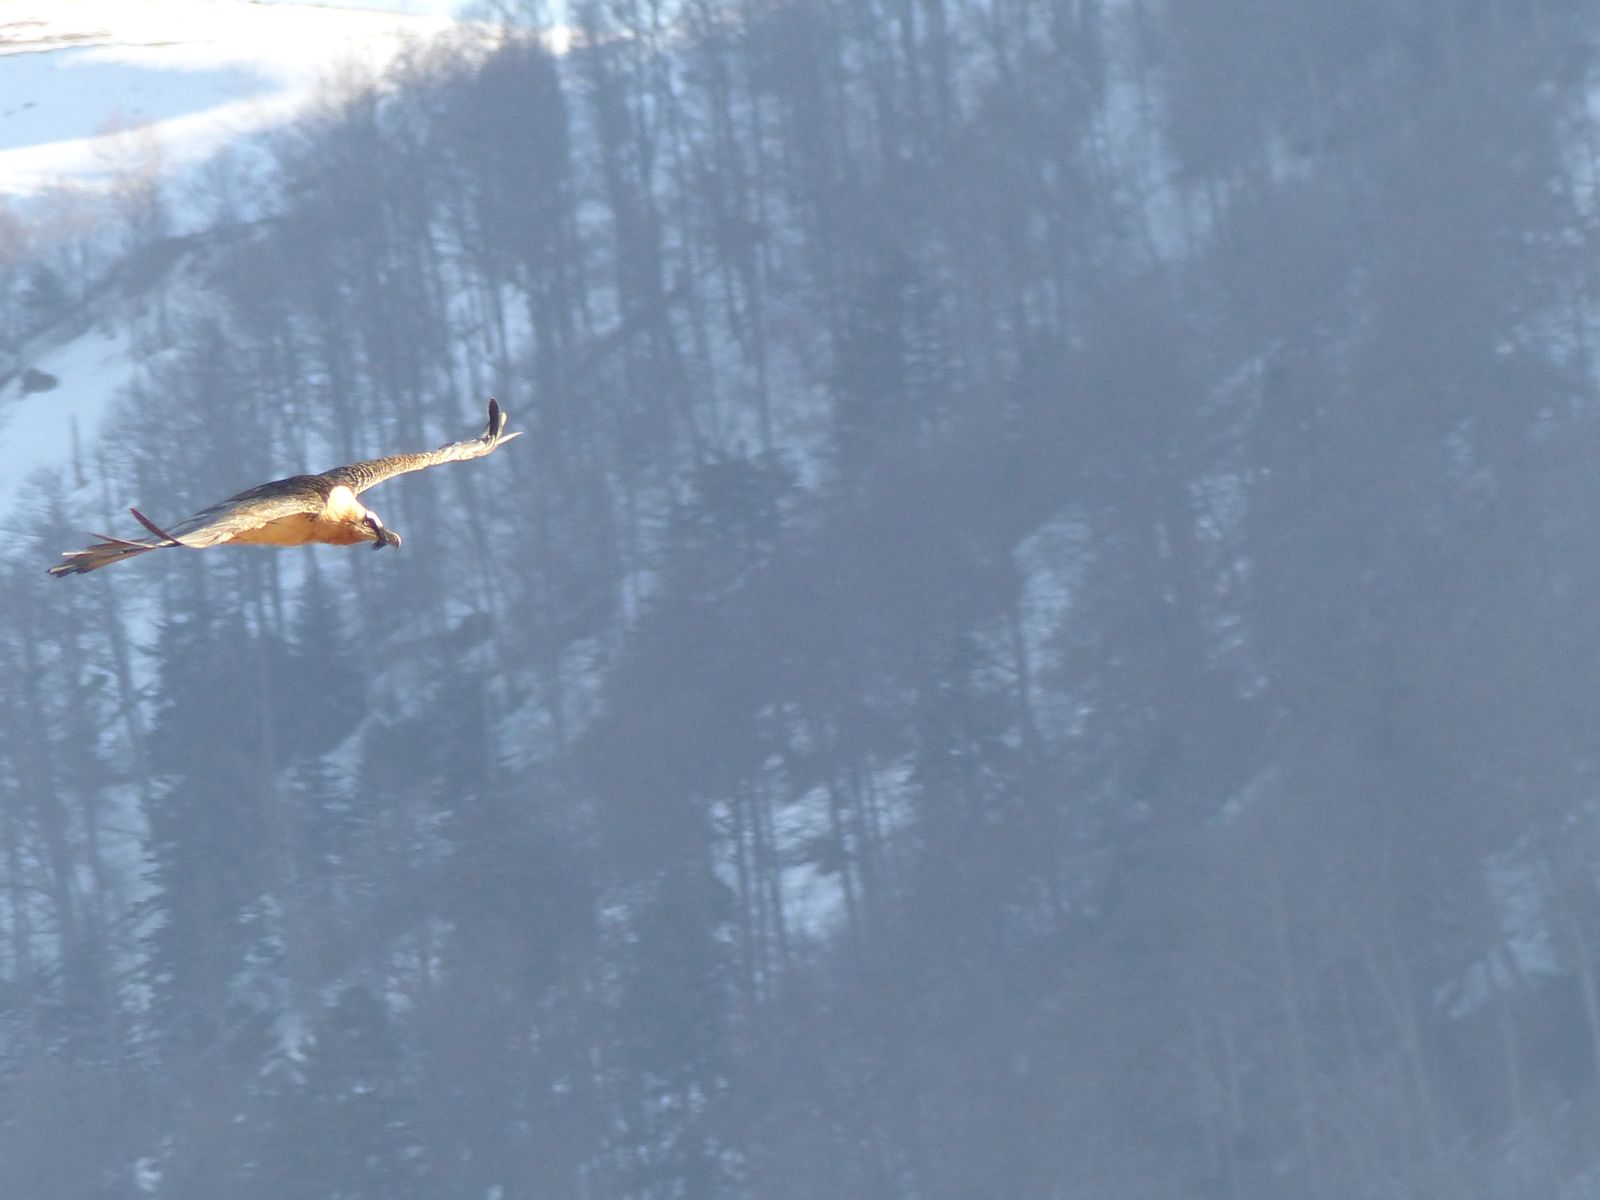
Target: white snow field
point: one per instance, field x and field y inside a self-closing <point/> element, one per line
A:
<point x="84" y="85"/>
<point x="193" y="73"/>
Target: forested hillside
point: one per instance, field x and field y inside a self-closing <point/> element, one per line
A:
<point x="1041" y="641"/>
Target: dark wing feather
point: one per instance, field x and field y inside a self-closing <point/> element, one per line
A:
<point x="358" y="477"/>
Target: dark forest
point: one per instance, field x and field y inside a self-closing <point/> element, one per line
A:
<point x="1038" y="643"/>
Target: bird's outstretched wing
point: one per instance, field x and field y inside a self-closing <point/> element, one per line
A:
<point x="222" y="522"/>
<point x="227" y="519"/>
<point x="358" y="477"/>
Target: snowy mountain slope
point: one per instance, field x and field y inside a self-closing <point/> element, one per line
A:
<point x="195" y="73"/>
<point x="91" y="88"/>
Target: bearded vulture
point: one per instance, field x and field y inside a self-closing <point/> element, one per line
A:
<point x="293" y="511"/>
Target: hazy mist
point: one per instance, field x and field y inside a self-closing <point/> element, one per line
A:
<point x="1040" y="642"/>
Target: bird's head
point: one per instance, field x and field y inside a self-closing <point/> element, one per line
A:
<point x="382" y="535"/>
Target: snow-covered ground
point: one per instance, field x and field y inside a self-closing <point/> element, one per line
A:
<point x="90" y="89"/>
<point x="41" y="431"/>
<point x="193" y="74"/>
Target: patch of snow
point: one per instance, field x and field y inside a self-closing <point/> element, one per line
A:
<point x="147" y="1175"/>
<point x="291" y="1035"/>
<point x="1521" y="891"/>
<point x="42" y="431"/>
<point x="813" y="898"/>
<point x="812" y="891"/>
<point x="1051" y="562"/>
<point x="1175" y="217"/>
<point x="528" y="731"/>
<point x="1519" y="887"/>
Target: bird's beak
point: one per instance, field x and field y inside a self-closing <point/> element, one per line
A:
<point x="382" y="534"/>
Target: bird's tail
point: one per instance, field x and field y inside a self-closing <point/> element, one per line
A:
<point x="107" y="550"/>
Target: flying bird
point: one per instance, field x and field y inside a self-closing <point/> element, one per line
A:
<point x="294" y="511"/>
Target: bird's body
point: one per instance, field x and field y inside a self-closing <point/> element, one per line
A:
<point x="296" y="511"/>
<point x="340" y="522"/>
